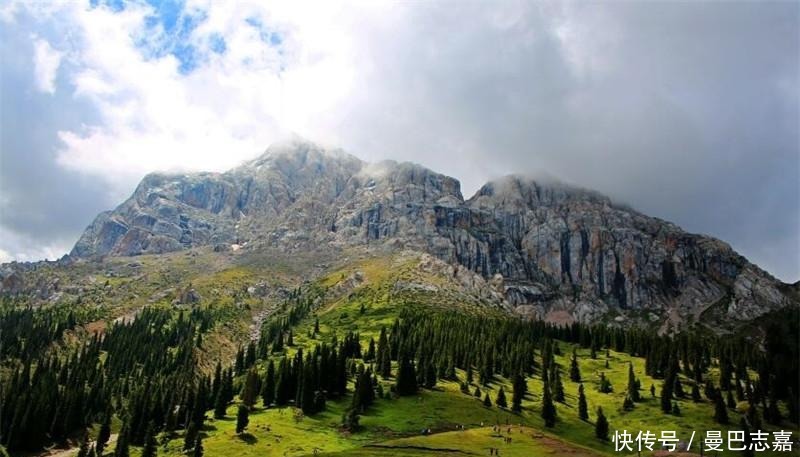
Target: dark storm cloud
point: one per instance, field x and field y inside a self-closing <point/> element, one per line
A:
<point x="42" y="207"/>
<point x="688" y="112"/>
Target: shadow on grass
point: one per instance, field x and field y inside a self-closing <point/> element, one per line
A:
<point x="248" y="438"/>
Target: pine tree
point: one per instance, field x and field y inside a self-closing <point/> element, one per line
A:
<point x="520" y="387"/>
<point x="307" y="393"/>
<point x="710" y="390"/>
<point x="772" y="413"/>
<point x="150" y="446"/>
<point x="633" y="385"/>
<point x="676" y="410"/>
<point x="83" y="451"/>
<point x="679" y="388"/>
<point x="122" y="449"/>
<point x="666" y="396"/>
<point x="190" y="436"/>
<point x="696" y="393"/>
<point x="720" y="412"/>
<point x="220" y="405"/>
<point x="548" y="408"/>
<point x="198" y="447"/>
<point x="430" y="376"/>
<point x="627" y="405"/>
<point x="583" y="409"/>
<point x="477" y="393"/>
<point x="351" y="420"/>
<point x="268" y="389"/>
<point x="242" y="419"/>
<point x="605" y="384"/>
<point x="386" y="363"/>
<point x="601" y="425"/>
<point x="406" y="377"/>
<point x="250" y="388"/>
<point x="730" y="401"/>
<point x="558" y="393"/>
<point x="363" y="394"/>
<point x="103" y="434"/>
<point x="500" y="400"/>
<point x="370" y="356"/>
<point x="487" y="402"/>
<point x="574" y="370"/>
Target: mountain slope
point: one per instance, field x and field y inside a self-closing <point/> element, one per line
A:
<point x="554" y="251"/>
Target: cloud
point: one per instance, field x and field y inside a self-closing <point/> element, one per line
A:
<point x="46" y="62"/>
<point x="24" y="248"/>
<point x="688" y="112"/>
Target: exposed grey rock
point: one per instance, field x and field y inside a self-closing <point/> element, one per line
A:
<point x="551" y="250"/>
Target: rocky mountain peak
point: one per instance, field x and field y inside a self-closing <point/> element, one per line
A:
<point x="523" y="191"/>
<point x="560" y="252"/>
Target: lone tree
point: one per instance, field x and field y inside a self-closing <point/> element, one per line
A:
<point x="574" y="370"/>
<point x="605" y="384"/>
<point x="601" y="426"/>
<point x="548" y="408"/>
<point x="487" y="402"/>
<point x="583" y="409"/>
<point x="627" y="404"/>
<point x="633" y="385"/>
<point x="558" y="393"/>
<point x="501" y="398"/>
<point x="242" y="419"/>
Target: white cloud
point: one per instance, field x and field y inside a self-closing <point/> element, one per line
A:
<point x="648" y="103"/>
<point x="46" y="61"/>
<point x="229" y="108"/>
<point x="23" y="248"/>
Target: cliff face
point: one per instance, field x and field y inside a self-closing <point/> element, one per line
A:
<point x="552" y="250"/>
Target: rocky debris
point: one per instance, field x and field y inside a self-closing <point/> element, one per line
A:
<point x="544" y="247"/>
<point x="187" y="296"/>
<point x="346" y="285"/>
<point x="12" y="283"/>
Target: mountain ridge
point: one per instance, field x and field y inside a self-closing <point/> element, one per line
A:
<point x="556" y="251"/>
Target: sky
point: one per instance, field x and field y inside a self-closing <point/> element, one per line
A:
<point x="686" y="111"/>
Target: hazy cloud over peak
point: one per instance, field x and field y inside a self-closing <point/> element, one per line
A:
<point x="686" y="111"/>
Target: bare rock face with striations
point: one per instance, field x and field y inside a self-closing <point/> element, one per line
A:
<point x="556" y="252"/>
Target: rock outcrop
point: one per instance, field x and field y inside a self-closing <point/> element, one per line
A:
<point x="558" y="252"/>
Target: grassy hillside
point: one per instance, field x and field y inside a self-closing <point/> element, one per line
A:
<point x="364" y="296"/>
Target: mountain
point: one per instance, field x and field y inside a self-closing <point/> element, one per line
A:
<point x="552" y="250"/>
